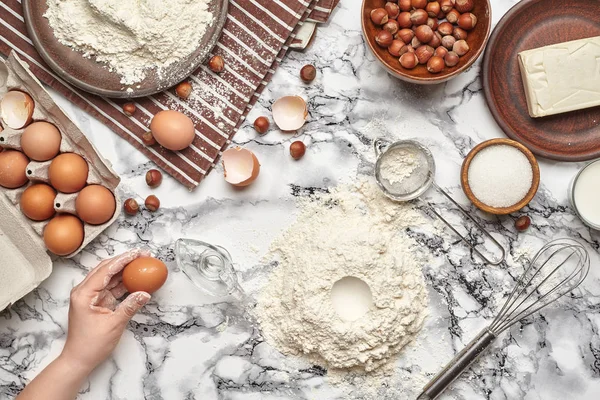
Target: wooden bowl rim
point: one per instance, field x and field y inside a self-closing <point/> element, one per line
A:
<point x="464" y="176"/>
<point x="439" y="78"/>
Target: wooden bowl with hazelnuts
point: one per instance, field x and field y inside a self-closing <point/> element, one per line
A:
<point x="424" y="41"/>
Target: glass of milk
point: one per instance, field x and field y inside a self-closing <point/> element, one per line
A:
<point x="584" y="193"/>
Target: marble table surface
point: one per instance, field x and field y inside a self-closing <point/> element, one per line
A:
<point x="186" y="345"/>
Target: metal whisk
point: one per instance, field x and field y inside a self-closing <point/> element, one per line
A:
<point x="558" y="268"/>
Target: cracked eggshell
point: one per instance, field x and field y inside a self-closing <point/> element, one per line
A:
<point x="290" y="112"/>
<point x="241" y="167"/>
<point x="16" y="109"/>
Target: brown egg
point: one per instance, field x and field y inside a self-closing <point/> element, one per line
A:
<point x="68" y="173"/>
<point x="63" y="234"/>
<point x="144" y="274"/>
<point x="172" y="129"/>
<point x="41" y="141"/>
<point x="95" y="204"/>
<point x="37" y="202"/>
<point x="13" y="167"/>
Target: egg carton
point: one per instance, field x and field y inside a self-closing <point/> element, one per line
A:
<point x="15" y="228"/>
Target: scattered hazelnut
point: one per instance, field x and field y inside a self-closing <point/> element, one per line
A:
<point x="406" y="35"/>
<point x="463" y="6"/>
<point x="460" y="47"/>
<point x="415" y="42"/>
<point x="393" y="9"/>
<point x="436" y="41"/>
<point x="404" y="20"/>
<point x="445" y="28"/>
<point x="467" y="21"/>
<point x="459" y="33"/>
<point x="424" y="53"/>
<point x="416" y="4"/>
<point x="435" y="64"/>
<point x="392" y="26"/>
<point x="441" y="15"/>
<point x="216" y="64"/>
<point x="451" y="59"/>
<point x="308" y="73"/>
<point x="522" y="223"/>
<point x="384" y="38"/>
<point x="297" y="150"/>
<point x="395" y="47"/>
<point x="261" y="124"/>
<point x="452" y="16"/>
<point x="418" y="17"/>
<point x="405" y="5"/>
<point x="409" y="60"/>
<point x="379" y="16"/>
<point x="152" y="203"/>
<point x="407" y="49"/>
<point x="446" y="5"/>
<point x="448" y="42"/>
<point x="129" y="109"/>
<point x="131" y="206"/>
<point x="183" y="90"/>
<point x="432" y="23"/>
<point x="440" y="52"/>
<point x="424" y="34"/>
<point x="148" y="139"/>
<point x="153" y="178"/>
<point x="433" y="9"/>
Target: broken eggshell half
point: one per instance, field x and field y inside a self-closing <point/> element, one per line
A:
<point x="240" y="166"/>
<point x="290" y="112"/>
<point x="16" y="109"/>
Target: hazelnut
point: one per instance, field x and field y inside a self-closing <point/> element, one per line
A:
<point x="441" y="15"/>
<point x="407" y="49"/>
<point x="463" y="6"/>
<point x="416" y="4"/>
<point x="467" y="21"/>
<point x="436" y="41"/>
<point x="445" y="28"/>
<point x="308" y="73"/>
<point x="153" y="178"/>
<point x="522" y="223"/>
<point x="216" y="64"/>
<point x="392" y="26"/>
<point x="406" y="35"/>
<point x="415" y="42"/>
<point x="446" y="5"/>
<point x="129" y="109"/>
<point x="451" y="59"/>
<point x="424" y="34"/>
<point x="261" y="124"/>
<point x="433" y="9"/>
<point x="393" y="9"/>
<point x="409" y="60"/>
<point x="183" y="90"/>
<point x="297" y="150"/>
<point x="432" y="23"/>
<point x="424" y="53"/>
<point x="460" y="47"/>
<point x="404" y="20"/>
<point x="379" y="16"/>
<point x="448" y="42"/>
<point x="395" y="47"/>
<point x="405" y="5"/>
<point x="148" y="139"/>
<point x="419" y="17"/>
<point x="459" y="33"/>
<point x="152" y="203"/>
<point x="440" y="52"/>
<point x="384" y="38"/>
<point x="131" y="206"/>
<point x="435" y="64"/>
<point x="452" y="16"/>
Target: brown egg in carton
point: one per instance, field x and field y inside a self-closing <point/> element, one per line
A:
<point x="14" y="75"/>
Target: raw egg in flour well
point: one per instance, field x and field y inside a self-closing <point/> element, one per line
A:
<point x="144" y="274"/>
<point x="41" y="141"/>
<point x="63" y="234"/>
<point x="68" y="173"/>
<point x="13" y="166"/>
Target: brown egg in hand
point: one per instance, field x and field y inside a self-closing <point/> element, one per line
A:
<point x="37" y="202"/>
<point x="40" y="141"/>
<point x="95" y="204"/>
<point x="68" y="173"/>
<point x="63" y="234"/>
<point x="13" y="166"/>
<point x="145" y="274"/>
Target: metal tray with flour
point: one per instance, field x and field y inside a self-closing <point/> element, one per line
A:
<point x="94" y="77"/>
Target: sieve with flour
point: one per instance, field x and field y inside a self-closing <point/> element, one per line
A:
<point x="420" y="179"/>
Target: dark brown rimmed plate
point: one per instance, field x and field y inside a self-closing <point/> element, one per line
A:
<point x="94" y="77"/>
<point x="573" y="136"/>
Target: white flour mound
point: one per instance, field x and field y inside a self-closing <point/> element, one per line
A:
<point x="131" y="36"/>
<point x="354" y="231"/>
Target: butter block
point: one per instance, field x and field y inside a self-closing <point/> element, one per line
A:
<point x="561" y="77"/>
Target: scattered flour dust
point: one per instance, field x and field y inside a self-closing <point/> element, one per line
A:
<point x="131" y="36"/>
<point x="352" y="231"/>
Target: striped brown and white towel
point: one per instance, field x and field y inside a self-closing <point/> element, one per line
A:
<point x="254" y="41"/>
